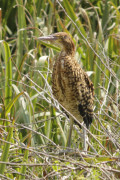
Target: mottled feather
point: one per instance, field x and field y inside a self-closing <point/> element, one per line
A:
<point x="73" y="88"/>
<point x="70" y="84"/>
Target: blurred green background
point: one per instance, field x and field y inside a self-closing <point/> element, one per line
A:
<point x="33" y="128"/>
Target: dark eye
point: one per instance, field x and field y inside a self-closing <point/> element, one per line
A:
<point x="65" y="37"/>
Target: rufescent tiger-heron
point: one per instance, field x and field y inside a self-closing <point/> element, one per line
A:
<point x="70" y="83"/>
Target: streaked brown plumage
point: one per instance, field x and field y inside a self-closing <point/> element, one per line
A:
<point x="70" y="84"/>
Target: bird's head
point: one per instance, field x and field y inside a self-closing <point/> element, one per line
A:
<point x="61" y="39"/>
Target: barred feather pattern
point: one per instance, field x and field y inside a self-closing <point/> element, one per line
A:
<point x="72" y="88"/>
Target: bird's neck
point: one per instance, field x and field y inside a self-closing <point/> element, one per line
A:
<point x="67" y="53"/>
<point x="70" y="49"/>
<point x="65" y="56"/>
<point x="63" y="53"/>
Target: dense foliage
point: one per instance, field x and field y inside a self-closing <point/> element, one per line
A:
<point x="33" y="127"/>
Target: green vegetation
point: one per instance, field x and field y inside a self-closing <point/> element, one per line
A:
<point x="33" y="127"/>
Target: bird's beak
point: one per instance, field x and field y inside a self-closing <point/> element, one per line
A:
<point x="51" y="37"/>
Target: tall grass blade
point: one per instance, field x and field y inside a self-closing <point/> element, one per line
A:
<point x="5" y="153"/>
<point x="23" y="168"/>
<point x="22" y="36"/>
<point x="8" y="73"/>
<point x="11" y="103"/>
<point x="73" y="16"/>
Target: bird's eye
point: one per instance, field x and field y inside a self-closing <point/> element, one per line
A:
<point x="65" y="37"/>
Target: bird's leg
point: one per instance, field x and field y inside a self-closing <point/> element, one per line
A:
<point x="85" y="139"/>
<point x="70" y="132"/>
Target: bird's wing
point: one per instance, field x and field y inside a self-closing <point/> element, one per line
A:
<point x="84" y="92"/>
<point x="89" y="83"/>
<point x="85" y="106"/>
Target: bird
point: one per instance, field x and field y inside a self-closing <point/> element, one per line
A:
<point x="71" y="85"/>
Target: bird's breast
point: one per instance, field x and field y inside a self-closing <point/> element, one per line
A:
<point x="62" y="89"/>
